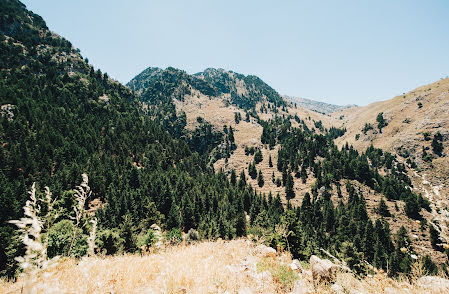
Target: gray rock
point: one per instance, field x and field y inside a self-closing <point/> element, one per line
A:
<point x="300" y="287"/>
<point x="323" y="270"/>
<point x="337" y="289"/>
<point x="434" y="283"/>
<point x="265" y="251"/>
<point x="296" y="266"/>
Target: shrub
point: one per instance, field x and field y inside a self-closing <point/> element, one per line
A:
<point x="146" y="240"/>
<point x="110" y="241"/>
<point x="60" y="238"/>
<point x="193" y="235"/>
<point x="174" y="236"/>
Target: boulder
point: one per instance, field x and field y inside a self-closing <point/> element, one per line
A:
<point x="337" y="289"/>
<point x="434" y="283"/>
<point x="300" y="287"/>
<point x="296" y="266"/>
<point x="323" y="270"/>
<point x="265" y="251"/>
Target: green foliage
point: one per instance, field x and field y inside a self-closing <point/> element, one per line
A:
<point x="258" y="156"/>
<point x="435" y="238"/>
<point x="353" y="258"/>
<point x="282" y="273"/>
<point x="260" y="180"/>
<point x="174" y="236"/>
<point x="381" y="122"/>
<point x="437" y="145"/>
<point x="147" y="239"/>
<point x="383" y="209"/>
<point x="366" y="128"/>
<point x="60" y="237"/>
<point x="252" y="171"/>
<point x="429" y="266"/>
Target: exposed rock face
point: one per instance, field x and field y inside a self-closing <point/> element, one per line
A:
<point x="323" y="270"/>
<point x="296" y="266"/>
<point x="265" y="251"/>
<point x="337" y="289"/>
<point x="434" y="283"/>
<point x="317" y="106"/>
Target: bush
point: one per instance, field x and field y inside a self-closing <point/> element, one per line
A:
<point x="192" y="235"/>
<point x="110" y="241"/>
<point x="60" y="236"/>
<point x="174" y="236"/>
<point x="146" y="240"/>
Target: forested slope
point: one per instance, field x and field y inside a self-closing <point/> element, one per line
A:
<point x="61" y="118"/>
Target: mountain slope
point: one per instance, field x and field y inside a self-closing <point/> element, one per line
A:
<point x="317" y="106"/>
<point x="150" y="160"/>
<point x="60" y="118"/>
<point x="415" y="123"/>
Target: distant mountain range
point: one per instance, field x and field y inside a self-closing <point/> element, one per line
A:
<point x="318" y="106"/>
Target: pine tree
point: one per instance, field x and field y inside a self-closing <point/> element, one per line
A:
<point x="252" y="171"/>
<point x="383" y="209"/>
<point x="437" y="146"/>
<point x="258" y="156"/>
<point x="260" y="180"/>
<point x="233" y="177"/>
<point x="290" y="193"/>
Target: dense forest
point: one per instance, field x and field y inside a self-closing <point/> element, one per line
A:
<point x="65" y="118"/>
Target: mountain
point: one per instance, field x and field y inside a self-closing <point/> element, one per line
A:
<point x="61" y="118"/>
<point x="317" y="106"/>
<point x="260" y="127"/>
<point x="173" y="157"/>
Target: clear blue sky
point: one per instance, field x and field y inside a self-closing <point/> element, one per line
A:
<point x="333" y="51"/>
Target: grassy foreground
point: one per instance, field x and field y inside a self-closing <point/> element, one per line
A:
<point x="237" y="266"/>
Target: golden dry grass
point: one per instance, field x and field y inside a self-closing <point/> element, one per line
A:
<point x="209" y="267"/>
<point x="236" y="266"/>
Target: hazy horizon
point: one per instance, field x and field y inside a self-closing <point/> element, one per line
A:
<point x="350" y="52"/>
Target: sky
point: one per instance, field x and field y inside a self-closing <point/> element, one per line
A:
<point x="340" y="52"/>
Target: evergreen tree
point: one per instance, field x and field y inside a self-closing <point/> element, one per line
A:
<point x="437" y="145"/>
<point x="260" y="180"/>
<point x="258" y="156"/>
<point x="383" y="209"/>
<point x="290" y="193"/>
<point x="233" y="177"/>
<point x="381" y="122"/>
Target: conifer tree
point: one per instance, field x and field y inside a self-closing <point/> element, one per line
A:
<point x="290" y="193"/>
<point x="260" y="180"/>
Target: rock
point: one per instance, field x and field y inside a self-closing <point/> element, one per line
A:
<point x="158" y="236"/>
<point x="323" y="270"/>
<point x="296" y="266"/>
<point x="155" y="227"/>
<point x="265" y="251"/>
<point x="300" y="287"/>
<point x="434" y="283"/>
<point x="337" y="289"/>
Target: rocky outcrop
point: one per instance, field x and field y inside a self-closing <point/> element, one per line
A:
<point x="434" y="283"/>
<point x="265" y="251"/>
<point x="323" y="270"/>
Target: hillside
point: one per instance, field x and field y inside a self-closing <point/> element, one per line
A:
<point x="90" y="167"/>
<point x="218" y="109"/>
<point x="413" y="122"/>
<point x="317" y="106"/>
<point x="61" y="118"/>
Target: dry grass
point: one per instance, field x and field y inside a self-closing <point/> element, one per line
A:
<point x="209" y="267"/>
<point x="236" y="266"/>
